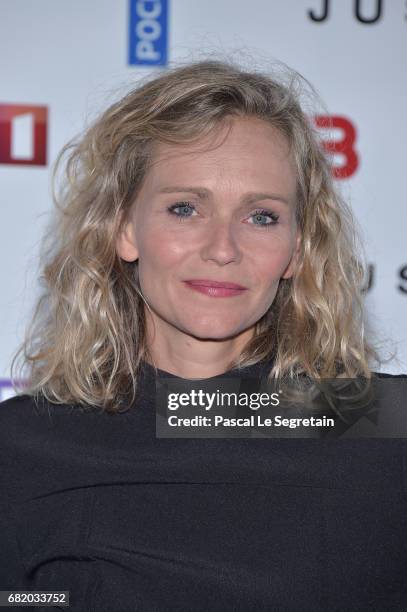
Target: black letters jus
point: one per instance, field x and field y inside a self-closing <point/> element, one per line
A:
<point x="356" y="10"/>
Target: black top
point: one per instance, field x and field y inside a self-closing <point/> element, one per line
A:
<point x="95" y="504"/>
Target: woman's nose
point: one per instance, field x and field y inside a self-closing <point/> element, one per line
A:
<point x="221" y="243"/>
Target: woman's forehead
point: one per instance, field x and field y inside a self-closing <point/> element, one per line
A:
<point x="245" y="146"/>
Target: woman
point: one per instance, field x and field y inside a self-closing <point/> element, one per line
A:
<point x="200" y="236"/>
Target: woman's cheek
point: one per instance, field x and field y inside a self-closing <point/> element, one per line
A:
<point x="272" y="262"/>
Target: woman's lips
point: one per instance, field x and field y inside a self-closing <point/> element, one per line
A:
<point x="215" y="288"/>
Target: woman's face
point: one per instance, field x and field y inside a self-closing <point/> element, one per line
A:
<point x="226" y="215"/>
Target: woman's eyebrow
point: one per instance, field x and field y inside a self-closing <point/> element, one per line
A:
<point x="201" y="191"/>
<point x="205" y="193"/>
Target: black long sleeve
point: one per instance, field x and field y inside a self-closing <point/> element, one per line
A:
<point x="96" y="504"/>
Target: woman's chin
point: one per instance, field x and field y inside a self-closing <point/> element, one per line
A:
<point x="211" y="330"/>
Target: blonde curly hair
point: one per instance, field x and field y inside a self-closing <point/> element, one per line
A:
<point x="87" y="338"/>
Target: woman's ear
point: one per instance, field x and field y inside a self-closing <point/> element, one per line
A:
<point x="289" y="271"/>
<point x="126" y="245"/>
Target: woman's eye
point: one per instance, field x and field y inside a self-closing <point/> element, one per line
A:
<point x="264" y="218"/>
<point x="261" y="218"/>
<point x="181" y="209"/>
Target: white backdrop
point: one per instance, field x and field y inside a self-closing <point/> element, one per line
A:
<point x="72" y="59"/>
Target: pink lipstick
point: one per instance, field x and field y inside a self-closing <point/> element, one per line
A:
<point x="215" y="288"/>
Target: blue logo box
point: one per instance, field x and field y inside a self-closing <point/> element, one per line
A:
<point x="148" y="35"/>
